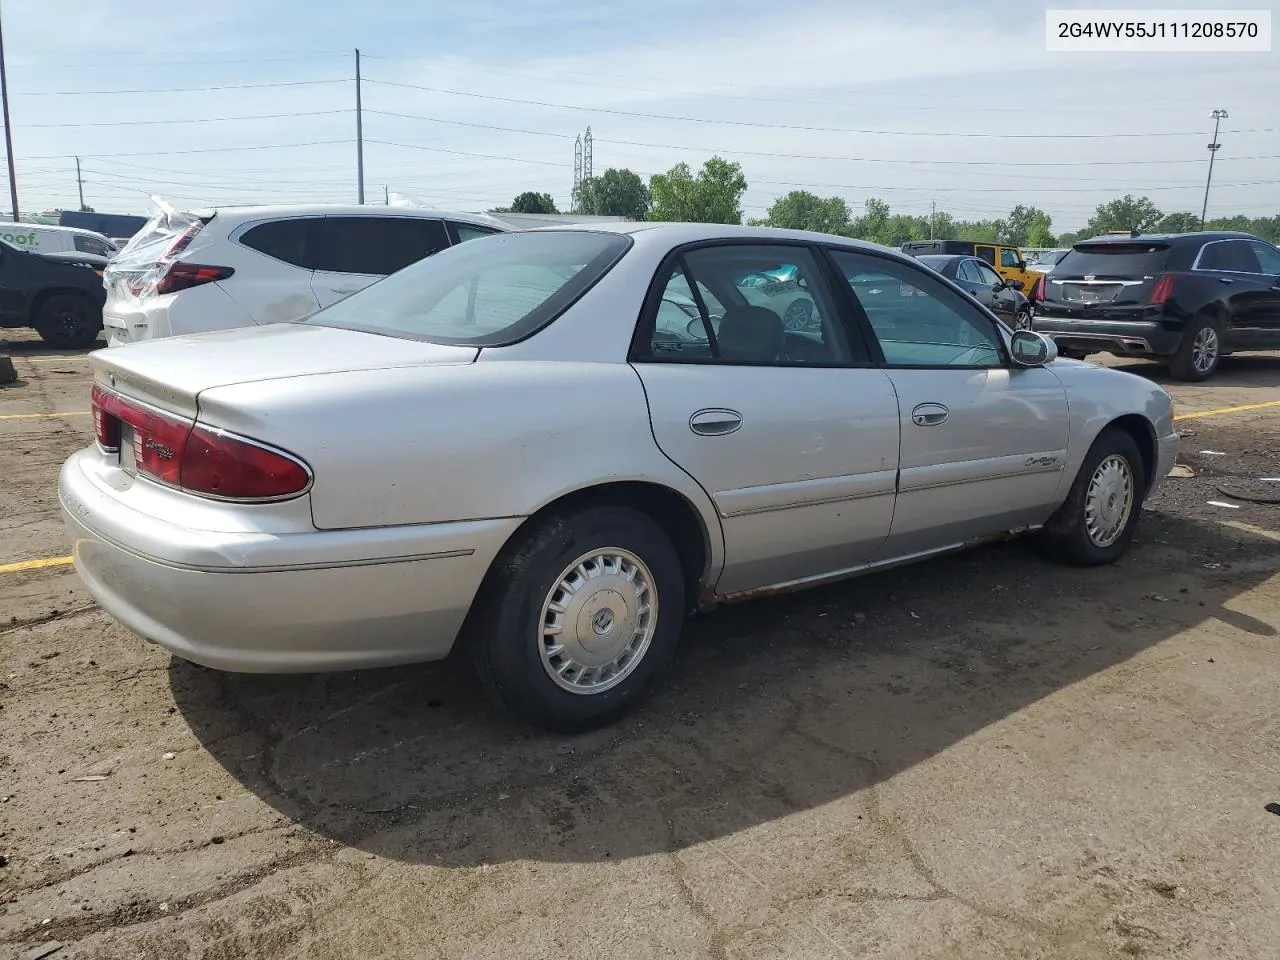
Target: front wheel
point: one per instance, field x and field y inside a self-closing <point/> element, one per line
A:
<point x="578" y="617"/>
<point x="68" y="322"/>
<point x="1096" y="523"/>
<point x="1199" y="352"/>
<point x="1022" y="319"/>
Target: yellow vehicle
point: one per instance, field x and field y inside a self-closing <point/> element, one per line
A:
<point x="1007" y="260"/>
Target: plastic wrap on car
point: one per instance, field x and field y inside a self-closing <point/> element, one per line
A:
<point x="134" y="272"/>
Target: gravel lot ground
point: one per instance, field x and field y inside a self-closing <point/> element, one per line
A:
<point x="984" y="756"/>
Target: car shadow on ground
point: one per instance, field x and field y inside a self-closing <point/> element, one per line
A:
<point x="1242" y="370"/>
<point x="774" y="707"/>
<point x="33" y="346"/>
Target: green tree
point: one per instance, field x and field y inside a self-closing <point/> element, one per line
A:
<point x="1127" y="213"/>
<point x="801" y="210"/>
<point x="1178" y="223"/>
<point x="530" y="202"/>
<point x="615" y="193"/>
<point x="1024" y="223"/>
<point x="714" y="196"/>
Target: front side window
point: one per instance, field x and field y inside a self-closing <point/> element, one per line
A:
<point x="93" y="245"/>
<point x="490" y="291"/>
<point x="1268" y="257"/>
<point x="375" y="246"/>
<point x="932" y="327"/>
<point x="749" y="304"/>
<point x="1008" y="258"/>
<point x="986" y="274"/>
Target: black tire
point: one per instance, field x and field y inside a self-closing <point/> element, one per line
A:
<point x="68" y="322"/>
<point x="1189" y="363"/>
<point x="505" y="634"/>
<point x="1066" y="536"/>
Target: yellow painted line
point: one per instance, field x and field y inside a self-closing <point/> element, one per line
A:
<point x="1218" y="411"/>
<point x="35" y="564"/>
<point x="44" y="416"/>
<point x="1250" y="528"/>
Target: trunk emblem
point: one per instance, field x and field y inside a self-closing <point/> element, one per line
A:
<point x="1090" y="276"/>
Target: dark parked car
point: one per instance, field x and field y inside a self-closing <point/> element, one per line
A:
<point x="60" y="294"/>
<point x="1188" y="299"/>
<point x="1002" y="297"/>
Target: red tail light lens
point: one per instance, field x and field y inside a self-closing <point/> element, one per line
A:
<point x="1037" y="292"/>
<point x="218" y="464"/>
<point x="183" y="276"/>
<point x="194" y="457"/>
<point x="1163" y="289"/>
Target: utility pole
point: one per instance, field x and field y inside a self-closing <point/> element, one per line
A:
<point x="933" y="213"/>
<point x="386" y="195"/>
<point x="8" y="130"/>
<point x="1218" y="117"/>
<point x="359" y="137"/>
<point x="79" y="185"/>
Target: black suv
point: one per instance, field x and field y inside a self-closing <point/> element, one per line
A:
<point x="1188" y="298"/>
<point x="60" y="294"/>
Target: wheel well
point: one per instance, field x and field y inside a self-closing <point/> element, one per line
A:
<point x="670" y="510"/>
<point x="41" y="298"/>
<point x="1144" y="435"/>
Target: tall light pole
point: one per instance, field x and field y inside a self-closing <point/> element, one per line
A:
<point x="359" y="138"/>
<point x="1218" y="117"/>
<point x="8" y="130"/>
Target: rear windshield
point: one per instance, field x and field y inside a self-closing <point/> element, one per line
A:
<point x="1120" y="260"/>
<point x="486" y="292"/>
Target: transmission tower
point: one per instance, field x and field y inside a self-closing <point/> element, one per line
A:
<point x="581" y="166"/>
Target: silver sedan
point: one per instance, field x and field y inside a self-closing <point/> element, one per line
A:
<point x="549" y="447"/>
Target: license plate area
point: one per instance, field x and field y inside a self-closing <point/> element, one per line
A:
<point x="128" y="450"/>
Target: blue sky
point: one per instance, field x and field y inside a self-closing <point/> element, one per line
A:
<point x="953" y="102"/>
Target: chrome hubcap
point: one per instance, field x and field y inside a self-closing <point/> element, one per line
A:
<point x="1109" y="501"/>
<point x="797" y="316"/>
<point x="1204" y="350"/>
<point x="598" y="621"/>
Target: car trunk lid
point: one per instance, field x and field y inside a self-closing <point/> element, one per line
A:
<point x="1108" y="272"/>
<point x="171" y="372"/>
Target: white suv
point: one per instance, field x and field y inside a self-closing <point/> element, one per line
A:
<point x="239" y="266"/>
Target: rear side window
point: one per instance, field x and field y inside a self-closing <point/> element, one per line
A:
<point x="281" y="239"/>
<point x="1233" y="255"/>
<point x="374" y="245"/>
<point x="488" y="292"/>
<point x="1113" y="260"/>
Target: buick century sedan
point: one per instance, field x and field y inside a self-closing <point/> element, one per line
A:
<point x="547" y="448"/>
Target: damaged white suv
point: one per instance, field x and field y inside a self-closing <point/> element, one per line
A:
<point x="241" y="266"/>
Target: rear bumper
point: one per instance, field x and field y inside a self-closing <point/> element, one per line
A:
<point x="129" y="319"/>
<point x="1147" y="337"/>
<point x="283" y="603"/>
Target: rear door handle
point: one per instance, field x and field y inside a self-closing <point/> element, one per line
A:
<point x="715" y="421"/>
<point x="1225" y="280"/>
<point x="929" y="414"/>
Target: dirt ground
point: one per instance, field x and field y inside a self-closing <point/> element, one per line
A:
<point x="985" y="756"/>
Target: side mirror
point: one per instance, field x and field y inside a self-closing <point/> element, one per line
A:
<point x="1022" y="265"/>
<point x="1031" y="349"/>
<point x="1016" y="284"/>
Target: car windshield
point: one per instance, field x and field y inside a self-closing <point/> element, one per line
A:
<point x="488" y="291"/>
<point x="1105" y="260"/>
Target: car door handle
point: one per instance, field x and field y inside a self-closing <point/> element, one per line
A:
<point x="715" y="422"/>
<point x="346" y="289"/>
<point x="929" y="414"/>
<point x="1225" y="280"/>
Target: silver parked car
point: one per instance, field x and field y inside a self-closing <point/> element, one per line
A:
<point x="502" y="447"/>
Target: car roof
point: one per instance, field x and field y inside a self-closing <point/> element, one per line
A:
<point x="1202" y="236"/>
<point x="347" y="210"/>
<point x="55" y="227"/>
<point x="681" y="233"/>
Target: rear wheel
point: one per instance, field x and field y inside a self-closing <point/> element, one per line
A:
<point x="578" y="617"/>
<point x="1200" y="351"/>
<point x="68" y="322"/>
<point x="1096" y="523"/>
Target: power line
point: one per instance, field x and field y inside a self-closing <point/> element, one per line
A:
<point x="229" y="86"/>
<point x="464" y="153"/>
<point x="802" y="127"/>
<point x="165" y="153"/>
<point x="134" y="123"/>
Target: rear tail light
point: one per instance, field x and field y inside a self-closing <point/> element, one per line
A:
<point x="1163" y="289"/>
<point x="1037" y="292"/>
<point x="197" y="458"/>
<point x="183" y="276"/>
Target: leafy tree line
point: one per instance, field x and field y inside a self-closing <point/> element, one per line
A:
<point x="714" y="195"/>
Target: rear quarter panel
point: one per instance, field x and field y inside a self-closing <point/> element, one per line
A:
<point x="433" y="444"/>
<point x="1096" y="397"/>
